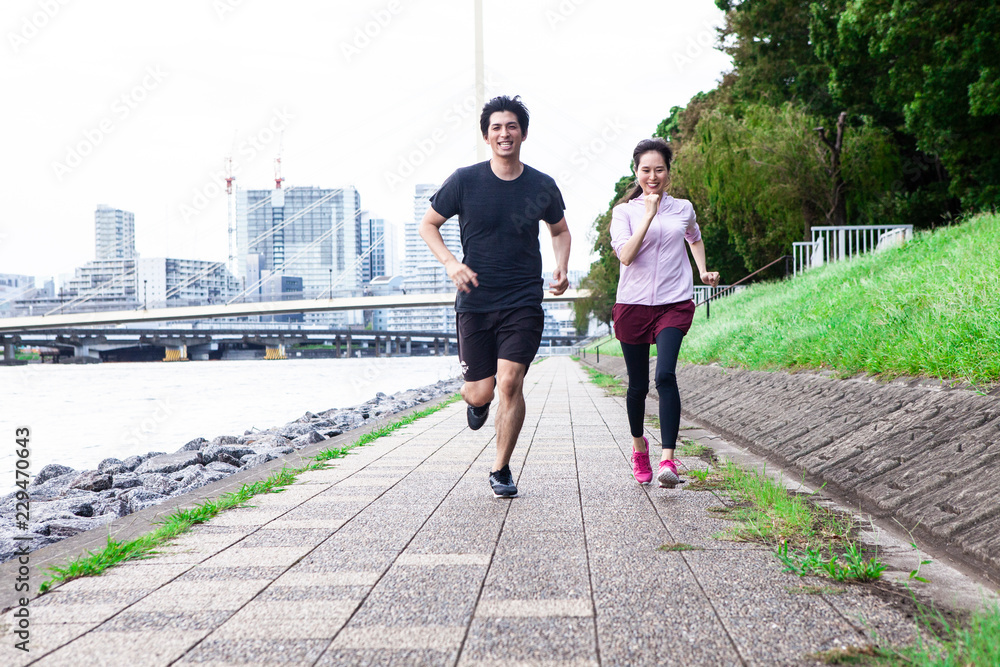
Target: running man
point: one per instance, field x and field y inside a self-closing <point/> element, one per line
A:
<point x="498" y="307"/>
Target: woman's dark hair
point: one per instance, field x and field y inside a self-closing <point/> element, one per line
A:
<point x="646" y="145"/>
<point x="504" y="103"/>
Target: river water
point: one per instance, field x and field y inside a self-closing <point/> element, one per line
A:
<point x="81" y="414"/>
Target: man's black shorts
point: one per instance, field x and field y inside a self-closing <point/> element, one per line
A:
<point x="483" y="338"/>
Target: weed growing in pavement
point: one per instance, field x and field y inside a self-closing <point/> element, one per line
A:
<point x="850" y="566"/>
<point x="691" y="448"/>
<point x="653" y="421"/>
<point x="181" y="521"/>
<point x="972" y="642"/>
<point x="611" y="385"/>
<point x="677" y="546"/>
<point x="804" y="589"/>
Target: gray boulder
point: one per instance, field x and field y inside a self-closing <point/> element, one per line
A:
<point x="63" y="528"/>
<point x="254" y="460"/>
<point x="224" y="466"/>
<point x="307" y="439"/>
<point x="158" y="483"/>
<point x="64" y="508"/>
<point x="213" y="452"/>
<point x="113" y="507"/>
<point x="91" y="480"/>
<point x="111" y="466"/>
<point x="293" y="430"/>
<point x="140" y="498"/>
<point x="50" y="471"/>
<point x="52" y="488"/>
<point x="194" y="445"/>
<point x="226" y="440"/>
<point x="266" y="441"/>
<point x="165" y="463"/>
<point x="132" y="462"/>
<point x="227" y="459"/>
<point x="126" y="480"/>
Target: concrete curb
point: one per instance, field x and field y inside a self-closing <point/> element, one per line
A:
<point x="135" y="525"/>
<point x="910" y="451"/>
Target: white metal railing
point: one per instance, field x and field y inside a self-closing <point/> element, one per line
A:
<point x="834" y="243"/>
<point x="703" y="293"/>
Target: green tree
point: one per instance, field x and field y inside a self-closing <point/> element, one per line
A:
<point x="930" y="66"/>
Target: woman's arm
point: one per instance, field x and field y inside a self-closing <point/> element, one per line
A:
<point x="631" y="248"/>
<point x="698" y="252"/>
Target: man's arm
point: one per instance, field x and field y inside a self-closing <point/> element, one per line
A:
<point x="560" y="245"/>
<point x="430" y="232"/>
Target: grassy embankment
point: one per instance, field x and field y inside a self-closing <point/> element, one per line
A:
<point x="930" y="308"/>
<point x="182" y="520"/>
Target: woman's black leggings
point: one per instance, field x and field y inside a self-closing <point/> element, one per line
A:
<point x="668" y="344"/>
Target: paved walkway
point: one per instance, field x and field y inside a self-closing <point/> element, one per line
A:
<point x="401" y="555"/>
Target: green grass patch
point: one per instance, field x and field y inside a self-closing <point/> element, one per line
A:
<point x="677" y="546"/>
<point x="608" y="345"/>
<point x="804" y="589"/>
<point x="807" y="539"/>
<point x="181" y="521"/>
<point x="975" y="641"/>
<point x="691" y="448"/>
<point x="929" y="308"/>
<point x="611" y="385"/>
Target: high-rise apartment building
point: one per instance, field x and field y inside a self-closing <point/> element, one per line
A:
<point x="114" y="233"/>
<point x="306" y="232"/>
<point x="376" y="244"/>
<point x="424" y="273"/>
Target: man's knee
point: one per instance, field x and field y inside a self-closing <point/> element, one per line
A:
<point x="510" y="380"/>
<point x="478" y="393"/>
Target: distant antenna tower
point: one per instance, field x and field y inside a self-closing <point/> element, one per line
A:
<point x="231" y="197"/>
<point x="278" y="213"/>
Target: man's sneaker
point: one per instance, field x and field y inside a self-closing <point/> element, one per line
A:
<point x="477" y="416"/>
<point x="641" y="470"/>
<point x="503" y="483"/>
<point x="667" y="476"/>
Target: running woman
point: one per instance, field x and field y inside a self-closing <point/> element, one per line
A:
<point x="498" y="306"/>
<point x="655" y="298"/>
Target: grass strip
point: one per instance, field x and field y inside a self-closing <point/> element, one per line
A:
<point x="611" y="385"/>
<point x="181" y="521"/>
<point x="929" y="308"/>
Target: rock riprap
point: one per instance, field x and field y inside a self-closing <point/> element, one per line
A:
<point x="65" y="501"/>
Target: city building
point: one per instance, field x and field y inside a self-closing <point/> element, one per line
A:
<point x="14" y="287"/>
<point x="308" y="232"/>
<point x="114" y="233"/>
<point x="376" y="246"/>
<point x="423" y="273"/>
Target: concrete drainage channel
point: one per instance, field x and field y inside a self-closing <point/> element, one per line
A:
<point x="892" y="454"/>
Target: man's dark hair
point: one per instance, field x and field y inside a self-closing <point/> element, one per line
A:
<point x="504" y="103"/>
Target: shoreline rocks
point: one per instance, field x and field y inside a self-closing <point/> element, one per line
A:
<point x="65" y="502"/>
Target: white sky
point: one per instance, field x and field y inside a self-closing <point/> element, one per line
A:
<point x="136" y="103"/>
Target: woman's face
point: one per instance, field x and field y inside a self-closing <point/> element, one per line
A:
<point x="651" y="172"/>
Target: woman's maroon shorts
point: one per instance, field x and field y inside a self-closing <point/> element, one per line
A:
<point x="637" y="324"/>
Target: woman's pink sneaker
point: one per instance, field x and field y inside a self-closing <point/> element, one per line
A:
<point x="667" y="475"/>
<point x="641" y="469"/>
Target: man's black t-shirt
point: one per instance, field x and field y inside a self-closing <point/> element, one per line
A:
<point x="499" y="224"/>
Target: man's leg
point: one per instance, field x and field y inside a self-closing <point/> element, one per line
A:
<point x="478" y="393"/>
<point x="510" y="409"/>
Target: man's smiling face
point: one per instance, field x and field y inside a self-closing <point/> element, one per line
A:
<point x="504" y="134"/>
